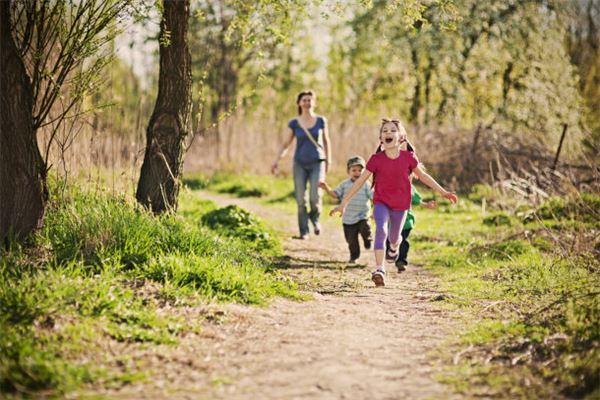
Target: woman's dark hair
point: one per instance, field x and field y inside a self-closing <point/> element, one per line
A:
<point x="302" y="94"/>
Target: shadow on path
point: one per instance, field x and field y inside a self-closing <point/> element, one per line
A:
<point x="289" y="262"/>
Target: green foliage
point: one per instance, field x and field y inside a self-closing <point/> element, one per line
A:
<point x="100" y="269"/>
<point x="585" y="209"/>
<point x="536" y="309"/>
<point x="479" y="192"/>
<point x="123" y="104"/>
<point x="26" y="363"/>
<point x="461" y="63"/>
<point x="242" y="191"/>
<point x="233" y="43"/>
<point x="505" y="250"/>
<point x="583" y="45"/>
<point x="237" y="222"/>
<point x="498" y="219"/>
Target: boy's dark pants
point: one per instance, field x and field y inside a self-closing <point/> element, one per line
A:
<point x="404" y="247"/>
<point x="351" y="232"/>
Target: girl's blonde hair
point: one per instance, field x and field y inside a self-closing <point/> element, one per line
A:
<point x="400" y="127"/>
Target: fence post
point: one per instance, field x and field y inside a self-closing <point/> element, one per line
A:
<point x="562" y="138"/>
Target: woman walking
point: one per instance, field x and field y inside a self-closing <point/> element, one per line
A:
<point x="312" y="159"/>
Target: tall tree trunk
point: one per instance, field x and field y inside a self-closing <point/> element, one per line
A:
<point x="23" y="191"/>
<point x="427" y="79"/>
<point x="416" y="100"/>
<point x="170" y="122"/>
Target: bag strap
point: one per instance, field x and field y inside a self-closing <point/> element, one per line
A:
<point x="310" y="137"/>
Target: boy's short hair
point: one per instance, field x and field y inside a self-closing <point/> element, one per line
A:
<point x="356" y="160"/>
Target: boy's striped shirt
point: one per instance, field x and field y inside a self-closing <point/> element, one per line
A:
<point x="358" y="208"/>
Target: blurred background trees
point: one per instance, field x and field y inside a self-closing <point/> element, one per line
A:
<point x="482" y="86"/>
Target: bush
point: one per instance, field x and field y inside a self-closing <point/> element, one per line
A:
<point x="243" y="191"/>
<point x="197" y="183"/>
<point x="236" y="222"/>
<point x="480" y="192"/>
<point x="585" y="209"/>
<point x="502" y="250"/>
<point x="499" y="219"/>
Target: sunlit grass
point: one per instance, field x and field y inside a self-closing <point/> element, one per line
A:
<point x="534" y="325"/>
<point x="532" y="307"/>
<point x="100" y="270"/>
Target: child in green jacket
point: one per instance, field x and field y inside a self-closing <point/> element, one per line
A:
<point x="416" y="200"/>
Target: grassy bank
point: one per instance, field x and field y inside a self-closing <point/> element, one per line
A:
<point x="529" y="280"/>
<point x="269" y="188"/>
<point x="101" y="271"/>
<point x="526" y="277"/>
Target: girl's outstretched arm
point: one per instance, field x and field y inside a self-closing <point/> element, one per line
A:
<point x="429" y="181"/>
<point x="355" y="188"/>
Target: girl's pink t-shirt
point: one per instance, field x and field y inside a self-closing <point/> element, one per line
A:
<point x="392" y="183"/>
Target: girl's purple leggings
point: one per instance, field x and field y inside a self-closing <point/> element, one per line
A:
<point x="384" y="215"/>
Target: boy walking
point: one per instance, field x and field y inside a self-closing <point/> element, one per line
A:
<point x="356" y="217"/>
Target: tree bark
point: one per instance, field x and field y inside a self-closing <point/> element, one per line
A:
<point x="23" y="190"/>
<point x="169" y="125"/>
<point x="416" y="100"/>
<point x="427" y="79"/>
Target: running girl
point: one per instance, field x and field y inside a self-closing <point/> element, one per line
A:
<point x="391" y="169"/>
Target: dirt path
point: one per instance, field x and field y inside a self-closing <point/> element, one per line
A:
<point x="351" y="342"/>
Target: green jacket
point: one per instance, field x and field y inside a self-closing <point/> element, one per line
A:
<point x="410" y="217"/>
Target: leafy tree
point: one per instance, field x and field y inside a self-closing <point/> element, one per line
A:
<point x="465" y="63"/>
<point x="125" y="102"/>
<point x="51" y="58"/>
<point x="583" y="45"/>
<point x="381" y="58"/>
<point x="234" y="45"/>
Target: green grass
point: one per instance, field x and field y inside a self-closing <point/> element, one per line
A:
<point x="237" y="222"/>
<point x="531" y="288"/>
<point x="526" y="278"/>
<point x="100" y="270"/>
<point x="266" y="187"/>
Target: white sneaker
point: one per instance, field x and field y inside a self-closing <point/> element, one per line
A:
<point x="378" y="277"/>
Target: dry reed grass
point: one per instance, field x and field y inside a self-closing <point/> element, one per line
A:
<point x="458" y="158"/>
